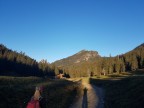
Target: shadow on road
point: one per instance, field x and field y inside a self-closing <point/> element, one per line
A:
<point x="85" y="100"/>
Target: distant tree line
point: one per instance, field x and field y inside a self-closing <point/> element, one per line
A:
<point x="19" y="64"/>
<point x="107" y="65"/>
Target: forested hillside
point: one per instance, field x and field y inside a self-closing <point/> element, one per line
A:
<point x="18" y="64"/>
<point x="102" y="65"/>
<point x="82" y="64"/>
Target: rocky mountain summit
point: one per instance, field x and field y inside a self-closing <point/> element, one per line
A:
<point x="81" y="56"/>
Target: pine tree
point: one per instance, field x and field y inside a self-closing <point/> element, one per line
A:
<point x="56" y="71"/>
<point x="134" y="63"/>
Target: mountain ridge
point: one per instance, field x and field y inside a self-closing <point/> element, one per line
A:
<point x="81" y="56"/>
<point x="139" y="46"/>
<point x="87" y="55"/>
<point x="82" y="64"/>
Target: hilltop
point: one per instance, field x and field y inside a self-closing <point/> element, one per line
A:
<point x="82" y="64"/>
<point x="90" y="63"/>
<point x="81" y="56"/>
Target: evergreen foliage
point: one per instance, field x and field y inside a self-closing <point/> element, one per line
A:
<point x="82" y="64"/>
<point x="97" y="66"/>
<point x="18" y="64"/>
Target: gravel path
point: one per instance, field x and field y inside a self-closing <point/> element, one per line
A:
<point x="92" y="99"/>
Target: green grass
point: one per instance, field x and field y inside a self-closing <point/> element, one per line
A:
<point x="15" y="92"/>
<point x="126" y="92"/>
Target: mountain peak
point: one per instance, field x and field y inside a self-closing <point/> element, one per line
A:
<point x="82" y="51"/>
<point x="81" y="56"/>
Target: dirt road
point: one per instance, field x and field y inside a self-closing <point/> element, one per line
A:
<point x="93" y="98"/>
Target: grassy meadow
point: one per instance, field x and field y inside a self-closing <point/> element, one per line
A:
<point x="15" y="92"/>
<point x="123" y="91"/>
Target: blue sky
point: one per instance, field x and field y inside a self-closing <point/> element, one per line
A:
<point x="55" y="29"/>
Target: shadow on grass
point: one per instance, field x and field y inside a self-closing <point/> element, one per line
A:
<point x="16" y="92"/>
<point x="122" y="93"/>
